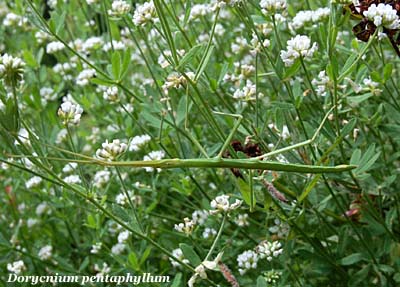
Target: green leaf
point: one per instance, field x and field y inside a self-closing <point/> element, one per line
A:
<point x="193" y="52"/>
<point x="60" y="20"/>
<point x="203" y="65"/>
<point x="244" y="189"/>
<point x="387" y="71"/>
<point x="349" y="62"/>
<point x="133" y="261"/>
<point x="116" y="65"/>
<point x="309" y="187"/>
<point x="91" y="221"/>
<point x="145" y="255"/>
<point x="121" y="213"/>
<point x="30" y="59"/>
<point x="352" y="259"/>
<point x="292" y="70"/>
<point x="360" y="99"/>
<point x="125" y="63"/>
<point x="261" y="282"/>
<point x="190" y="254"/>
<point x="178" y="278"/>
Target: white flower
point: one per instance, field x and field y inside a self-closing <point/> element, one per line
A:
<point x="154" y="155"/>
<point x="48" y="94"/>
<point x="103" y="270"/>
<point x="178" y="254"/>
<point x="69" y="167"/>
<point x="269" y="250"/>
<point x="31" y="222"/>
<point x="42" y="208"/>
<point x="199" y="216"/>
<point x="269" y="6"/>
<point x="96" y="248"/>
<point x="199" y="10"/>
<point x="111" y="94"/>
<point x="61" y="136"/>
<point x="73" y="179"/>
<point x="186" y="227"/>
<point x="118" y="248"/>
<point x="174" y="80"/>
<point x="11" y="69"/>
<point x="242" y="220"/>
<point x="92" y="43"/>
<point x="299" y="46"/>
<point x="209" y="232"/>
<point x="246" y="261"/>
<point x="303" y="18"/>
<point x="54" y="47"/>
<point x="145" y="13"/>
<point x="123" y="236"/>
<point x="45" y="252"/>
<point x="117" y="45"/>
<point x="110" y="151"/>
<point x="84" y="77"/>
<point x="248" y="92"/>
<point x="91" y="2"/>
<point x="383" y="15"/>
<point x="221" y="204"/>
<point x="200" y="271"/>
<point x="119" y="8"/>
<point x="12" y="19"/>
<point x="272" y="276"/>
<point x="321" y="83"/>
<point x="138" y="141"/>
<point x="16" y="267"/>
<point x="372" y="86"/>
<point x="33" y="182"/>
<point x="70" y="113"/>
<point x="281" y="229"/>
<point x="122" y="199"/>
<point x="101" y="178"/>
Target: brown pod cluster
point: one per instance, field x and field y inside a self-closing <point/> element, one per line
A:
<point x="365" y="28"/>
<point x="249" y="149"/>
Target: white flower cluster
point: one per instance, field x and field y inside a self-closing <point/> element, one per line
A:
<point x="299" y="46"/>
<point x="96" y="248"/>
<point x="178" y="254"/>
<point x="200" y="216"/>
<point x="33" y="182"/>
<point x="242" y="220"/>
<point x="383" y="15"/>
<point x="11" y="69"/>
<point x="54" y="47"/>
<point x="65" y="70"/>
<point x="110" y="151"/>
<point x="73" y="179"/>
<point x="272" y="276"/>
<point x="186" y="227"/>
<point x="246" y="261"/>
<point x="246" y="93"/>
<point x="16" y="267"/>
<point x="221" y="204"/>
<point x="176" y="81"/>
<point x="122" y="199"/>
<point x="271" y="6"/>
<point x="119" y="8"/>
<point x="306" y="17"/>
<point x="369" y="86"/>
<point x="209" y="232"/>
<point x="14" y="20"/>
<point x="145" y="13"/>
<point x="154" y="155"/>
<point x="281" y="229"/>
<point x="46" y="252"/>
<point x="84" y="77"/>
<point x="138" y="141"/>
<point x="269" y="250"/>
<point x="163" y="58"/>
<point x="117" y="45"/>
<point x="321" y="83"/>
<point x="70" y="113"/>
<point x="92" y="44"/>
<point x="118" y="248"/>
<point x="101" y="178"/>
<point x="199" y="10"/>
<point x="111" y="94"/>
